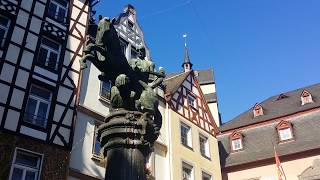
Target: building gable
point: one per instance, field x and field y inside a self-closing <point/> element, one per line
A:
<point x="188" y="101"/>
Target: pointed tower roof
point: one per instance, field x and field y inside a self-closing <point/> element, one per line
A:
<point x="187" y="65"/>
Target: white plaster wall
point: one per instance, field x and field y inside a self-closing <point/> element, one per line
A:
<point x="90" y="89"/>
<point x="81" y="154"/>
<point x="292" y="170"/>
<point x="215" y="113"/>
<point x="208" y="88"/>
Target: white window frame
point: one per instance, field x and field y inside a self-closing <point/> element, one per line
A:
<point x="234" y="141"/>
<point x="189" y="135"/>
<point x="25" y="168"/>
<point x="206" y="175"/>
<point x="6" y="28"/>
<point x="206" y="145"/>
<point x="59" y="6"/>
<point x="39" y="100"/>
<point x="187" y="166"/>
<point x="284" y="132"/>
<point x="95" y="135"/>
<point x="50" y="49"/>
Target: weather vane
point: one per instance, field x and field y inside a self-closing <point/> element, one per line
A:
<point x="185" y="39"/>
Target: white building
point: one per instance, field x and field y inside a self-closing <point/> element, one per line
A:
<point x="41" y="42"/>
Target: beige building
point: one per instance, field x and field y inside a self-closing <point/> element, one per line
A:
<point x="289" y="122"/>
<point x="191" y="127"/>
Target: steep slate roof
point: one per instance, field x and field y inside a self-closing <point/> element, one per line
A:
<point x="205" y="76"/>
<point x="273" y="108"/>
<point x="211" y="97"/>
<point x="258" y="142"/>
<point x="173" y="81"/>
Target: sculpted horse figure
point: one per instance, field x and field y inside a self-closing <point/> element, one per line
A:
<point x="105" y="53"/>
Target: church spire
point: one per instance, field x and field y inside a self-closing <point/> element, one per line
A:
<point x="187" y="65"/>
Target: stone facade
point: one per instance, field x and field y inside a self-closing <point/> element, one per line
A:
<point x="55" y="159"/>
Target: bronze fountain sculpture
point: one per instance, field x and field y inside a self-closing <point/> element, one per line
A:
<point x="134" y="122"/>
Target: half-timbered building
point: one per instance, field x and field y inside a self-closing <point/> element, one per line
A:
<point x="287" y="124"/>
<point x="191" y="126"/>
<point x="41" y="42"/>
<point x="94" y="104"/>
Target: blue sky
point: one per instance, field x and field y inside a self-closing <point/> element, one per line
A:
<point x="257" y="48"/>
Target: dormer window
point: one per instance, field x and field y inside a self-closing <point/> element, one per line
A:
<point x="236" y="141"/>
<point x="281" y="96"/>
<point x="306" y="97"/>
<point x="257" y="110"/>
<point x="284" y="131"/>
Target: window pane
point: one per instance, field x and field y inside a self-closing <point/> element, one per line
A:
<point x="36" y="91"/>
<point x="62" y="2"/>
<point x="17" y="174"/>
<point x="30" y="175"/>
<point x="42" y="114"/>
<point x="52" y="10"/>
<point x="53" y="59"/>
<point x="30" y="109"/>
<point x="42" y="56"/>
<point x="61" y="15"/>
<point x="27" y="160"/>
<point x="50" y="44"/>
<point x="4" y="21"/>
<point x="97" y="146"/>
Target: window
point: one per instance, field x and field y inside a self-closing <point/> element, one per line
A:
<point x="58" y="10"/>
<point x="130" y="25"/>
<point x="206" y="176"/>
<point x="306" y="97"/>
<point x="4" y="26"/>
<point x="105" y="90"/>
<point x="285" y="134"/>
<point x="236" y="144"/>
<point x="284" y="131"/>
<point x="123" y="45"/>
<point x="186" y="135"/>
<point x="257" y="110"/>
<point x="25" y="166"/>
<point x="204" y="146"/>
<point x="38" y="106"/>
<point x="96" y="143"/>
<point x="192" y="101"/>
<point x="49" y="54"/>
<point x="134" y="53"/>
<point x="187" y="173"/>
